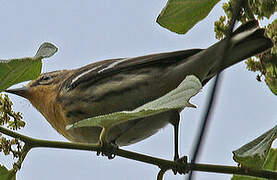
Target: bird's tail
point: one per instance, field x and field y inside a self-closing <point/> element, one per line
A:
<point x="246" y="41"/>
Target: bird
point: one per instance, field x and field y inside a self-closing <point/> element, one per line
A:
<point x="65" y="97"/>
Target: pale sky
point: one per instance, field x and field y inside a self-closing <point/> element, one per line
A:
<point x="89" y="31"/>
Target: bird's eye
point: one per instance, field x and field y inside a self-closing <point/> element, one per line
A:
<point x="45" y="80"/>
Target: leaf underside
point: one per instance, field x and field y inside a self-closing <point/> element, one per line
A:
<point x="176" y="99"/>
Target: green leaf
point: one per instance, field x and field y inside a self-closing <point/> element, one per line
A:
<point x="254" y="154"/>
<point x="110" y="120"/>
<point x="14" y="71"/>
<point x="271" y="160"/>
<point x="270" y="164"/>
<point x="46" y="50"/>
<point x="18" y="70"/>
<point x="271" y="74"/>
<point x="181" y="15"/>
<point x="5" y="174"/>
<point x="176" y="99"/>
<point x="238" y="177"/>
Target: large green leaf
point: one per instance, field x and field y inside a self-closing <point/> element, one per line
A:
<point x="176" y="99"/>
<point x="270" y="164"/>
<point x="271" y="160"/>
<point x="5" y="174"/>
<point x="14" y="71"/>
<point x="257" y="154"/>
<point x="254" y="153"/>
<point x="181" y="15"/>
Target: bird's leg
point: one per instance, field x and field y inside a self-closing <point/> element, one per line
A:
<point x="175" y="119"/>
<point x="176" y="141"/>
<point x="107" y="147"/>
<point x="175" y="122"/>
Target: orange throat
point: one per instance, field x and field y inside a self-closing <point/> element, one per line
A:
<point x="54" y="111"/>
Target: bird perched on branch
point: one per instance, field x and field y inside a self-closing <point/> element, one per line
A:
<point x="68" y="96"/>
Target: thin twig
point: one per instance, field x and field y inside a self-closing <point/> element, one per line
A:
<point x="161" y="174"/>
<point x="211" y="99"/>
<point x="22" y="156"/>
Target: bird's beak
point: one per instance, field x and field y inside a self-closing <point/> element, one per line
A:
<point x="23" y="91"/>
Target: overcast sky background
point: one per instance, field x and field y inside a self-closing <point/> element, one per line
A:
<point x="88" y="31"/>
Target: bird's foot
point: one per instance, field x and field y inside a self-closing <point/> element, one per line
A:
<point x="177" y="169"/>
<point x="107" y="149"/>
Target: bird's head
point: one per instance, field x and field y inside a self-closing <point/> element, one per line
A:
<point x="43" y="91"/>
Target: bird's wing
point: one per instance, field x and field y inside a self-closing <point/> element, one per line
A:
<point x="99" y="70"/>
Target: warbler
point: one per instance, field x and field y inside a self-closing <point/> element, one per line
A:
<point x="68" y="96"/>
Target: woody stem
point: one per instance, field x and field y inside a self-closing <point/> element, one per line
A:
<point x="162" y="163"/>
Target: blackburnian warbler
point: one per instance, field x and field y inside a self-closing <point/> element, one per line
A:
<point x="67" y="96"/>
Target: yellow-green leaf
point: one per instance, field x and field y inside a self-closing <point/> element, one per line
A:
<point x="254" y="153"/>
<point x="270" y="164"/>
<point x="14" y="71"/>
<point x="181" y="15"/>
<point x="6" y="174"/>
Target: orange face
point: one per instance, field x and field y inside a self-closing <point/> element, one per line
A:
<point x="45" y="96"/>
<point x="42" y="92"/>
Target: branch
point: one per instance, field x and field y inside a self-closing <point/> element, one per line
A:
<point x="161" y="174"/>
<point x="161" y="163"/>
